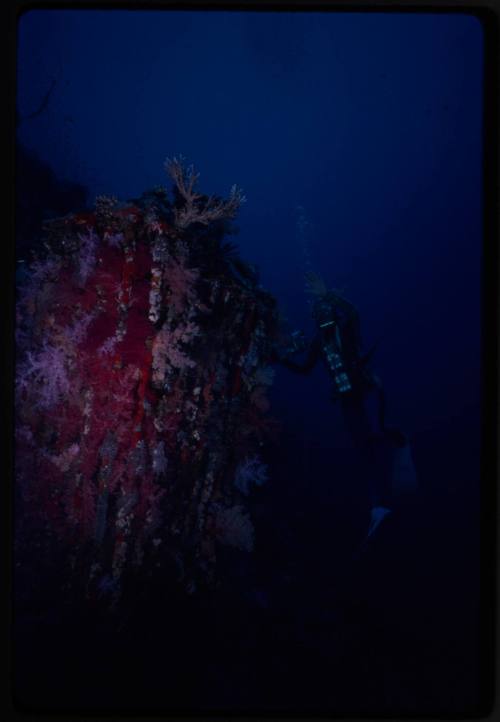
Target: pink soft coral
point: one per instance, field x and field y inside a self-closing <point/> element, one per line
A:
<point x="181" y="281"/>
<point x="167" y="351"/>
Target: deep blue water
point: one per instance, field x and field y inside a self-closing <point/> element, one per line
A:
<point x="372" y="124"/>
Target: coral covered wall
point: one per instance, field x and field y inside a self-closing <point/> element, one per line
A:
<point x="143" y="344"/>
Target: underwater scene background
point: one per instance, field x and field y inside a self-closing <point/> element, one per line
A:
<point x="191" y="516"/>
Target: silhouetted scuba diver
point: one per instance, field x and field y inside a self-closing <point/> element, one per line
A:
<point x="337" y="343"/>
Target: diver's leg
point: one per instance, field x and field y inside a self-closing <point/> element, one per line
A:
<point x="362" y="414"/>
<point x="361" y="417"/>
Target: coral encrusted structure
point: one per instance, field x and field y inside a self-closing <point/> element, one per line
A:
<point x="143" y="346"/>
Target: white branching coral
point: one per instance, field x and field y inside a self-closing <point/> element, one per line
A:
<point x="195" y="209"/>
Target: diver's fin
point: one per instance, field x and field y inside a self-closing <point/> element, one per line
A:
<point x="377" y="515"/>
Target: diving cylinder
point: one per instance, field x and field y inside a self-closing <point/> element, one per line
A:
<point x="334" y="360"/>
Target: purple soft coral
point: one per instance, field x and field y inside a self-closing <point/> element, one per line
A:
<point x="87" y="255"/>
<point x="46" y="374"/>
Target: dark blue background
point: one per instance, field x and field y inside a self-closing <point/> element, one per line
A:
<point x="372" y="123"/>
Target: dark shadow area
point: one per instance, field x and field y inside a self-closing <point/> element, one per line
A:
<point x="306" y="623"/>
<point x="40" y="195"/>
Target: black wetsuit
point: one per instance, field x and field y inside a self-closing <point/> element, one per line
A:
<point x="362" y="403"/>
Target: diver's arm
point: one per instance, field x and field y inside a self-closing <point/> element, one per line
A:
<point x="346" y="306"/>
<point x="309" y="363"/>
<point x="351" y="321"/>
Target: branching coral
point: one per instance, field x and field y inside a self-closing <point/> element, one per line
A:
<point x="197" y="208"/>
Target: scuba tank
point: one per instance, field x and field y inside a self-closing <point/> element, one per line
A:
<point x="331" y="348"/>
